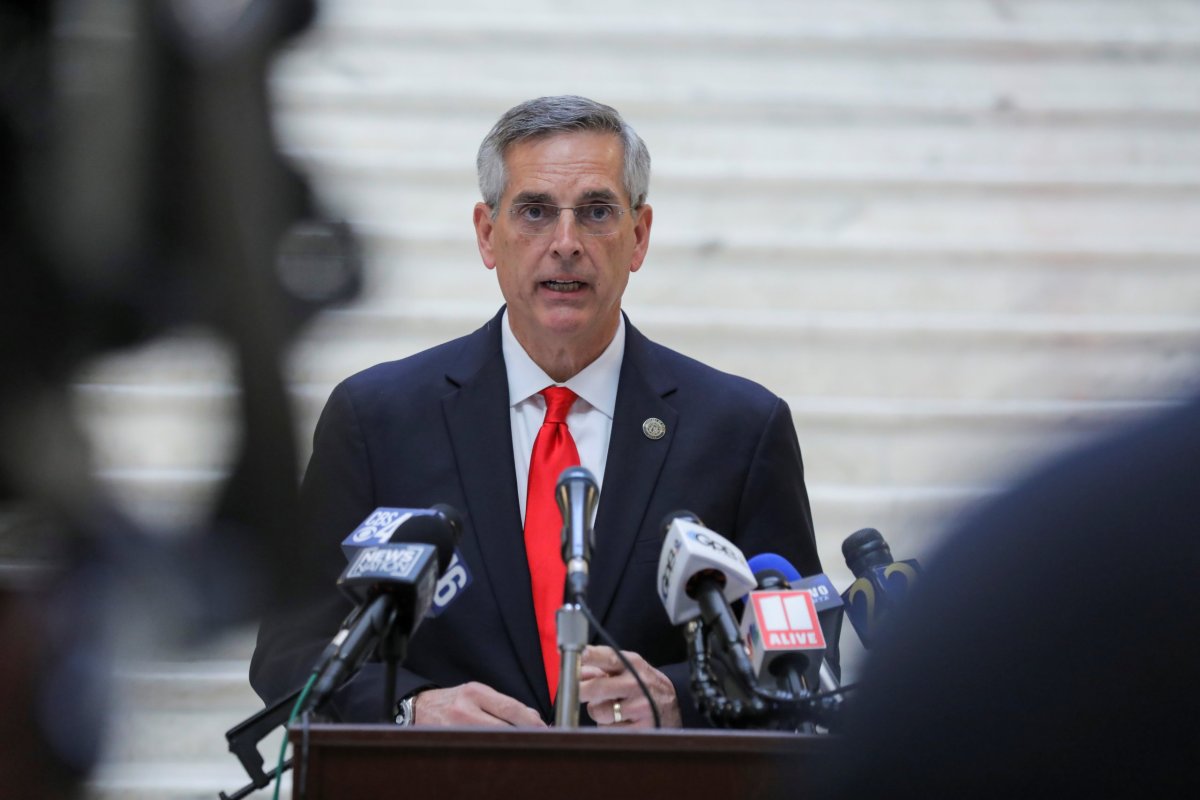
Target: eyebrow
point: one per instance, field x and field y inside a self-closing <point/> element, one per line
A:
<point x="590" y="196"/>
<point x="533" y="197"/>
<point x="599" y="195"/>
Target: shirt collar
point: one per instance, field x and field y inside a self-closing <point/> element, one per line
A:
<point x="596" y="383"/>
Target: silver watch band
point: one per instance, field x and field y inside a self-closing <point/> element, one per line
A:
<point x="405" y="715"/>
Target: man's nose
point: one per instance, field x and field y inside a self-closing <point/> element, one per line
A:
<point x="566" y="235"/>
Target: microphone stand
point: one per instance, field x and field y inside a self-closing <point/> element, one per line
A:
<point x="572" y="638"/>
<point x="243" y="741"/>
<point x="393" y="649"/>
<point x="577" y="495"/>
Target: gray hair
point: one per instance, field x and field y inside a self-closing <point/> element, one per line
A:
<point x="545" y="116"/>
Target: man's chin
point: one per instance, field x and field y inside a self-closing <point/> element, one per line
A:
<point x="564" y="322"/>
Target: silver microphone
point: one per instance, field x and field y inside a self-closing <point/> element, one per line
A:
<point x="577" y="495"/>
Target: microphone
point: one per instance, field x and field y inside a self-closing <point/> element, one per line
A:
<point x="825" y="597"/>
<point x="406" y="571"/>
<point x="881" y="583"/>
<point x="440" y="525"/>
<point x="776" y="574"/>
<point x="577" y="495"/>
<point x="776" y="565"/>
<point x="699" y="572"/>
<point x="681" y="514"/>
<point x="392" y="585"/>
<point x="784" y="639"/>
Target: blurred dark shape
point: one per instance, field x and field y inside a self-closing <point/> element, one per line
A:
<point x="141" y="188"/>
<point x="1051" y="648"/>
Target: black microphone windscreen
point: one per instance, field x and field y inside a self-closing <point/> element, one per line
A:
<point x="865" y="549"/>
<point x="434" y="529"/>
<point x="682" y="514"/>
<point x="771" y="579"/>
<point x="452" y="517"/>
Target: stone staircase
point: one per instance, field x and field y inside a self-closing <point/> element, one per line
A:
<point x="168" y="739"/>
<point x="957" y="236"/>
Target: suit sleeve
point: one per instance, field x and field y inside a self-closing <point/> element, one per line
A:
<point x="774" y="514"/>
<point x="336" y="495"/>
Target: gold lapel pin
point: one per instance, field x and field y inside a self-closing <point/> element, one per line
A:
<point x="654" y="428"/>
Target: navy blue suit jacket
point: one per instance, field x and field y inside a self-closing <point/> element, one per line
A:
<point x="434" y="428"/>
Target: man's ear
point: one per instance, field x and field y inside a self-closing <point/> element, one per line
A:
<point x="641" y="236"/>
<point x="485" y="226"/>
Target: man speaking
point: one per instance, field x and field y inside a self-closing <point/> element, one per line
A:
<point x="487" y="422"/>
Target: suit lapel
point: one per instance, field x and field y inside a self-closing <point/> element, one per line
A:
<point x="477" y="419"/>
<point x="634" y="463"/>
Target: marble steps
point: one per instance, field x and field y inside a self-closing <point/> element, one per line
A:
<point x="197" y="702"/>
<point x="798" y="353"/>
<point x="894" y="355"/>
<point x="876" y="23"/>
<point x="769" y="150"/>
<point x="169" y="780"/>
<point x="808" y="275"/>
<point x="913" y="517"/>
<point x="812" y="156"/>
<point x="933" y="216"/>
<point x="787" y="82"/>
<point x="167" y="737"/>
<point x="846" y="440"/>
<point x="906" y="467"/>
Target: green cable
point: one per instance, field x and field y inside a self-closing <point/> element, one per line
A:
<point x="283" y="747"/>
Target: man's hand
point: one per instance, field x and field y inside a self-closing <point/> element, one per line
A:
<point x="472" y="704"/>
<point x="613" y="696"/>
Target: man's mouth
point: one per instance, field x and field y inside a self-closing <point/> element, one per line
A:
<point x="564" y="286"/>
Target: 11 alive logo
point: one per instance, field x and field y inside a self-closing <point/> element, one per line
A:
<point x="787" y="620"/>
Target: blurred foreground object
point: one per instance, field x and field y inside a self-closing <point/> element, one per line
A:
<point x="141" y="189"/>
<point x="1071" y="606"/>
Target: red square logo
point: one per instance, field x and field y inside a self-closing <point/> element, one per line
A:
<point x="787" y="621"/>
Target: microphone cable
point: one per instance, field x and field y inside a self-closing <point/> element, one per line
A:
<point x="761" y="703"/>
<point x="611" y="642"/>
<point x="279" y="768"/>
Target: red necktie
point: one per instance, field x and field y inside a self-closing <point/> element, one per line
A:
<point x="553" y="451"/>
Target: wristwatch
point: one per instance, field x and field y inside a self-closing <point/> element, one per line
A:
<point x="405" y="711"/>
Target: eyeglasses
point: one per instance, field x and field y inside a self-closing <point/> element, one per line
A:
<point x="594" y="219"/>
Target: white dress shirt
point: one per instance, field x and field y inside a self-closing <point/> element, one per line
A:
<point x="590" y="418"/>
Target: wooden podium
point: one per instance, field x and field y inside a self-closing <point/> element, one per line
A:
<point x="369" y="762"/>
